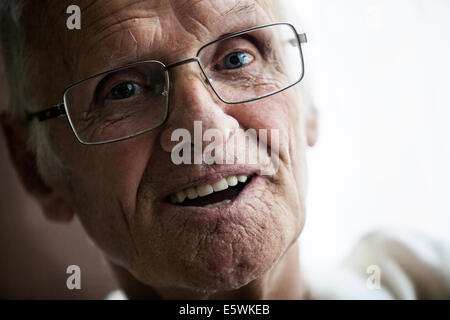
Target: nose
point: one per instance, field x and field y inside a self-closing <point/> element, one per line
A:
<point x="192" y="100"/>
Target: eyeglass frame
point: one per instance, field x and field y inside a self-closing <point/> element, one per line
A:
<point x="60" y="110"/>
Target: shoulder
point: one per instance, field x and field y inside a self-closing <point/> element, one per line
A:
<point x="389" y="264"/>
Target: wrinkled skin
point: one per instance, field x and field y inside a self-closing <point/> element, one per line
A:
<point x="117" y="190"/>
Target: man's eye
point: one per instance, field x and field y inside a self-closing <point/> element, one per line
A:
<point x="123" y="90"/>
<point x="237" y="60"/>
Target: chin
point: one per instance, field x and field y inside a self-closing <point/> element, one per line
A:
<point x="220" y="263"/>
<point x="220" y="248"/>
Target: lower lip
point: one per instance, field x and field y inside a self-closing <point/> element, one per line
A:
<point x="222" y="210"/>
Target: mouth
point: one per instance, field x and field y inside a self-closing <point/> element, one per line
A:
<point x="209" y="195"/>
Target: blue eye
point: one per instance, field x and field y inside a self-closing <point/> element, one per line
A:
<point x="237" y="60"/>
<point x="123" y="90"/>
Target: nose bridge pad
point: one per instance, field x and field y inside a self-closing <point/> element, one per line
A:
<point x="206" y="80"/>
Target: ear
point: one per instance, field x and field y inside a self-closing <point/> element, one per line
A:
<point x="312" y="125"/>
<point x="16" y="134"/>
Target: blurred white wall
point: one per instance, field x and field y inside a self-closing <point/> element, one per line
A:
<point x="379" y="71"/>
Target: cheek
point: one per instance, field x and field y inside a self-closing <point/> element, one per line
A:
<point x="114" y="169"/>
<point x="129" y="160"/>
<point x="280" y="112"/>
<point x="277" y="112"/>
<point x="122" y="166"/>
<point x="283" y="112"/>
<point x="104" y="185"/>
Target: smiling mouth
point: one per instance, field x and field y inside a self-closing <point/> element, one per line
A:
<point x="218" y="193"/>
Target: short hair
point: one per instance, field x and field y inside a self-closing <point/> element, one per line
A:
<point x="16" y="66"/>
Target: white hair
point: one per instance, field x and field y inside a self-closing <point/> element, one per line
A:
<point x="20" y="101"/>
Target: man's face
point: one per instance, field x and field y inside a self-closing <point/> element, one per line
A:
<point x="121" y="191"/>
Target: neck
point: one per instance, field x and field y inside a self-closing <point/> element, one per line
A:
<point x="283" y="281"/>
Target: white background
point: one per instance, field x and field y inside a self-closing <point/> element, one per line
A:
<point x="379" y="73"/>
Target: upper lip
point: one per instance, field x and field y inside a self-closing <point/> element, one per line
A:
<point x="208" y="178"/>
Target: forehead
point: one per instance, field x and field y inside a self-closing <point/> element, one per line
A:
<point x="117" y="32"/>
<point x="163" y="30"/>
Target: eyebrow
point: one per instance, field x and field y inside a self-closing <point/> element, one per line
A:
<point x="240" y="8"/>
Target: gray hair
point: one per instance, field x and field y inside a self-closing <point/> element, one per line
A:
<point x="20" y="100"/>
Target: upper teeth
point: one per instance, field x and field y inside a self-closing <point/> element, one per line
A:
<point x="207" y="189"/>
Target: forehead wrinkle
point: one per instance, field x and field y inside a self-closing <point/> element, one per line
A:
<point x="94" y="26"/>
<point x="246" y="8"/>
<point x="108" y="14"/>
<point x="121" y="27"/>
<point x="117" y="41"/>
<point x="236" y="16"/>
<point x="122" y="17"/>
<point x="240" y="8"/>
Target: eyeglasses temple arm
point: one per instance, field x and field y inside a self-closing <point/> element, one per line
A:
<point x="50" y="113"/>
<point x="302" y="37"/>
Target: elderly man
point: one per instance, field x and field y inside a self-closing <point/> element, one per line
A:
<point x="92" y="133"/>
<point x="220" y="230"/>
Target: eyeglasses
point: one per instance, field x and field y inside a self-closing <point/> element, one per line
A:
<point x="134" y="99"/>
